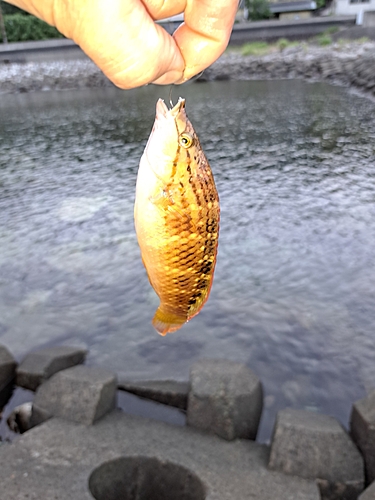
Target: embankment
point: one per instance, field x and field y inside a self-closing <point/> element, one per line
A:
<point x="348" y="64"/>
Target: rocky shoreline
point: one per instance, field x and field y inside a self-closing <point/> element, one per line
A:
<point x="350" y="64"/>
<point x="73" y="415"/>
<point x="343" y="63"/>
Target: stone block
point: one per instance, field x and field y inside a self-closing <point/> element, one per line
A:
<point x="5" y="395"/>
<point x="150" y="477"/>
<point x="129" y="457"/>
<point x="81" y="394"/>
<point x="168" y="392"/>
<point x="19" y="420"/>
<point x="225" y="398"/>
<point x="7" y="367"/>
<point x="310" y="445"/>
<point x="38" y="416"/>
<point x="362" y="427"/>
<point x="369" y="493"/>
<point x="40" y="365"/>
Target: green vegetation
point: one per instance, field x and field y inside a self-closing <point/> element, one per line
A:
<point x="258" y="9"/>
<point x="8" y="9"/>
<point x="363" y="39"/>
<point x="343" y="41"/>
<point x="255" y="49"/>
<point x="332" y="30"/>
<point x="20" y="27"/>
<point x="323" y="39"/>
<point x="283" y="44"/>
<point x="346" y="41"/>
<point x="261" y="48"/>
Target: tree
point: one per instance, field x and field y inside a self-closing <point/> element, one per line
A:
<point x="257" y="9"/>
<point x="2" y="26"/>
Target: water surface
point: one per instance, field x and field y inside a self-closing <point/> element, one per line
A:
<point x="293" y="295"/>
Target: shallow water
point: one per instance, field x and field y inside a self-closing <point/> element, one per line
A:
<point x="293" y="293"/>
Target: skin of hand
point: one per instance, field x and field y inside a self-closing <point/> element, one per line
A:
<point x="122" y="38"/>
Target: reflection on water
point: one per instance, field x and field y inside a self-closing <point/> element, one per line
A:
<point x="294" y="292"/>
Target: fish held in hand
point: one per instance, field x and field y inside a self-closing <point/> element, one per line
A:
<point x="176" y="218"/>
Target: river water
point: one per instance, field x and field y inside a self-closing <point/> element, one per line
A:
<point x="293" y="295"/>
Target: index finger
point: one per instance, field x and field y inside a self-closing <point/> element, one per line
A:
<point x="205" y="33"/>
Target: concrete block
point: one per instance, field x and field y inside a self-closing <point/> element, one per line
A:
<point x="369" y="493"/>
<point x="362" y="427"/>
<point x="19" y="420"/>
<point x="40" y="365"/>
<point x="310" y="445"/>
<point x="5" y="395"/>
<point x="38" y="416"/>
<point x="168" y="392"/>
<point x="130" y="457"/>
<point x="82" y="394"/>
<point x="7" y="367"/>
<point x="225" y="398"/>
<point x="150" y="477"/>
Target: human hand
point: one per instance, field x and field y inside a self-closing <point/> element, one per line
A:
<point x="122" y="38"/>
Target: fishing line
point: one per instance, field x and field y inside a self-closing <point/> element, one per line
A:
<point x="170" y="96"/>
<point x="193" y="79"/>
<point x="196" y="77"/>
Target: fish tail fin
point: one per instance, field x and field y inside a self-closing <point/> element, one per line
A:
<point x="166" y="322"/>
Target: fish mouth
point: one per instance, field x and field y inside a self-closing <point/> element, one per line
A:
<point x="163" y="111"/>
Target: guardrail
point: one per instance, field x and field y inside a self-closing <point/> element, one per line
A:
<point x="245" y="32"/>
<point x="301" y="29"/>
<point x="45" y="50"/>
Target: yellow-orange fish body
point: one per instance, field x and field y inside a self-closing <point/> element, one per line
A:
<point x="176" y="218"/>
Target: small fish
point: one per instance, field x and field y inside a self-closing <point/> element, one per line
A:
<point x="176" y="218"/>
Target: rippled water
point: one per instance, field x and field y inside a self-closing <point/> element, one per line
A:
<point x="293" y="295"/>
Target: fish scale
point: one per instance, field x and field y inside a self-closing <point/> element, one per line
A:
<point x="176" y="218"/>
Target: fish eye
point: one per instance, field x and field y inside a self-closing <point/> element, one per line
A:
<point x="186" y="140"/>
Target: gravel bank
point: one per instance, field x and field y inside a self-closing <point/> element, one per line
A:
<point x="59" y="75"/>
<point x="349" y="64"/>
